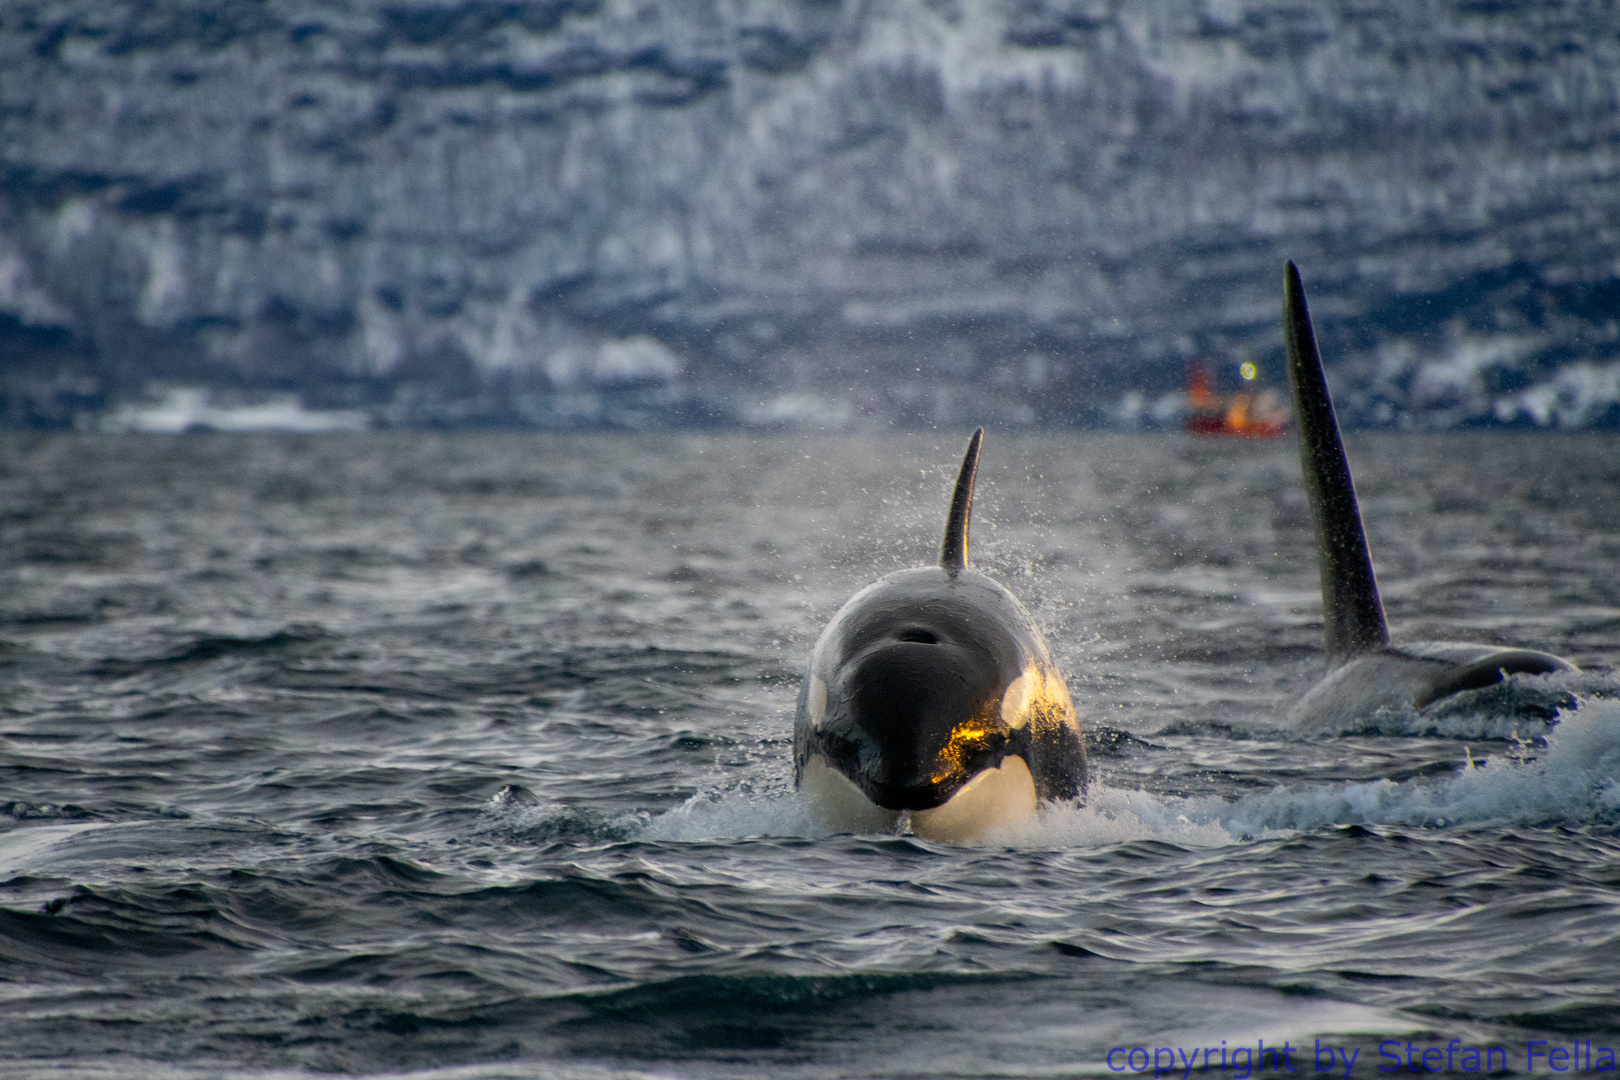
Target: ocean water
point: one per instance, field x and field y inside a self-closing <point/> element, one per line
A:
<point x="467" y="756"/>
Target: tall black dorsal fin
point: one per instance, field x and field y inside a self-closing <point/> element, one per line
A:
<point x="953" y="552"/>
<point x="1352" y="614"/>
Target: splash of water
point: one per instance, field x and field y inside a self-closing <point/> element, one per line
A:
<point x="1571" y="778"/>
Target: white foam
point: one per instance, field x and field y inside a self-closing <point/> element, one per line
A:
<point x="1574" y="778"/>
<point x="719" y="816"/>
<point x="1116" y="816"/>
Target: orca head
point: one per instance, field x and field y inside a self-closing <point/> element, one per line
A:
<point x="906" y="687"/>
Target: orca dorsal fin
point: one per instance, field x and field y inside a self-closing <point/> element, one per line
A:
<point x="1352" y="614"/>
<point x="953" y="552"/>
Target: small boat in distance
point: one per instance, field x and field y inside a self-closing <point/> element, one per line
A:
<point x="1247" y="414"/>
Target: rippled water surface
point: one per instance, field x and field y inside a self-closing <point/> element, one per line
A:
<point x="467" y="755"/>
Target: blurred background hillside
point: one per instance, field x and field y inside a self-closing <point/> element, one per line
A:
<point x="612" y="213"/>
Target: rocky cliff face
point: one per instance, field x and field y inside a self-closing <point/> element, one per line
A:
<point x="573" y="212"/>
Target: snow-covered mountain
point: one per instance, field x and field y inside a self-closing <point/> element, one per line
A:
<point x="578" y="212"/>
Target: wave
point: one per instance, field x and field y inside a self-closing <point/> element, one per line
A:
<point x="1568" y="777"/>
<point x="181" y="648"/>
<point x="1571" y="775"/>
<point x="516" y="813"/>
<point x="717" y="816"/>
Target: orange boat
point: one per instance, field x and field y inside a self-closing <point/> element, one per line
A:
<point x="1244" y="415"/>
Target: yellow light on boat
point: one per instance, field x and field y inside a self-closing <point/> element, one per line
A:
<point x="1247" y="371"/>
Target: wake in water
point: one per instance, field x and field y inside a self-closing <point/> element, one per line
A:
<point x="1568" y="778"/>
<point x="1565" y="776"/>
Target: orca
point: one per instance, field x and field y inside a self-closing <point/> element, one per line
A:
<point x="931" y="700"/>
<point x="1365" y="671"/>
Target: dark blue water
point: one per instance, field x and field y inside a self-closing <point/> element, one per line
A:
<point x="467" y="756"/>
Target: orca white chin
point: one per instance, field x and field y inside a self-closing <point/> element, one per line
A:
<point x="996" y="798"/>
<point x="839" y="804"/>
